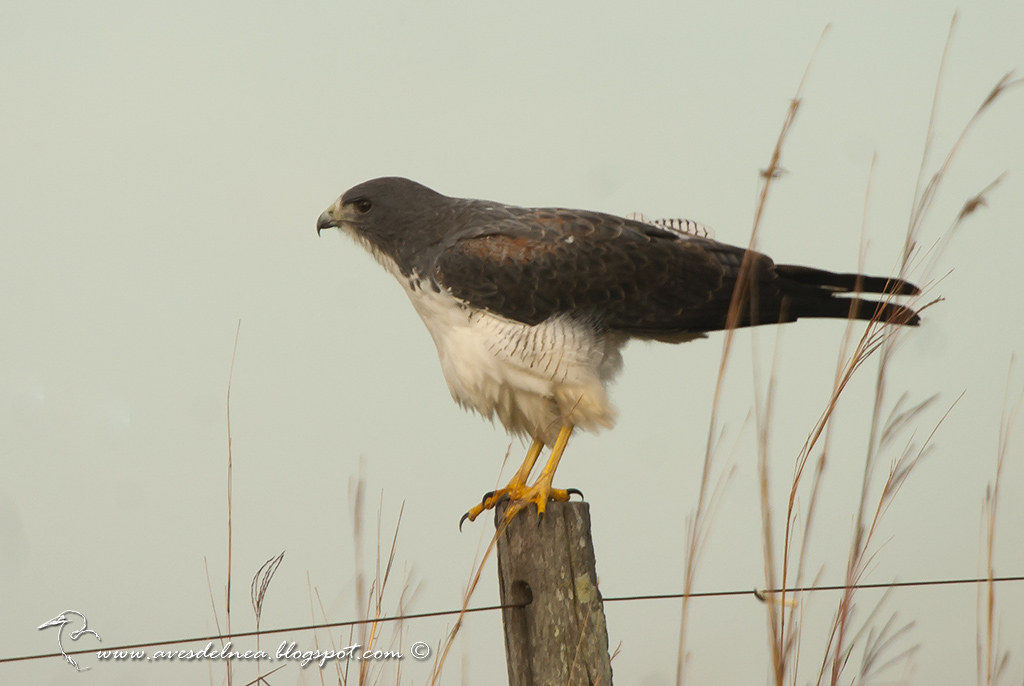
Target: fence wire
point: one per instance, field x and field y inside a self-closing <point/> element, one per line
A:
<point x="759" y="594"/>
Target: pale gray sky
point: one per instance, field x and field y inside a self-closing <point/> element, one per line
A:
<point x="163" y="167"/>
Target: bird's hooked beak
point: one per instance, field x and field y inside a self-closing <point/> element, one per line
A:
<point x="331" y="217"/>
<point x="56" y="621"/>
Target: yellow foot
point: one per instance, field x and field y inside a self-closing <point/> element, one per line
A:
<point x="519" y="496"/>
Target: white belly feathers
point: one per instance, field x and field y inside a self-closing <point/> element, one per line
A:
<point x="532" y="378"/>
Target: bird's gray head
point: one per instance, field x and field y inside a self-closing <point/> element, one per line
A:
<point x="392" y="217"/>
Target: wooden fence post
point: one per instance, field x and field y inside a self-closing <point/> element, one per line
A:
<point x="560" y="637"/>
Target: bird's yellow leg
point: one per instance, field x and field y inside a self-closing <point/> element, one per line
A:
<point x="518" y="493"/>
<point x="518" y="481"/>
<point x="541" y="491"/>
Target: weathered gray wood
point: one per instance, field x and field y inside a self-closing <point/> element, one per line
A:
<point x="560" y="638"/>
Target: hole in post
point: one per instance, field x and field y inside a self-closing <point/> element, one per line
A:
<point x="520" y="593"/>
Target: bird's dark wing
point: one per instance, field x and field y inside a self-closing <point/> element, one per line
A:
<point x="620" y="274"/>
<point x="638" y="278"/>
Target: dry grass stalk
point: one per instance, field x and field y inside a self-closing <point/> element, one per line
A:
<point x="474" y="579"/>
<point x="992" y="661"/>
<point x="312" y="617"/>
<point x="369" y="637"/>
<point x="213" y="606"/>
<point x="227" y="404"/>
<point x="258" y="593"/>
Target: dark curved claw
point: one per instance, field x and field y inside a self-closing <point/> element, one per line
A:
<point x="487" y="495"/>
<point x="463" y="521"/>
<point x="577" y="491"/>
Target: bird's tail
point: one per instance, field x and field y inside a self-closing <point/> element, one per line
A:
<point x="845" y="283"/>
<point x="817" y="293"/>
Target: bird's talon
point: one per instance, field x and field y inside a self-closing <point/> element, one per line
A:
<point x="570" y="491"/>
<point x="473" y="513"/>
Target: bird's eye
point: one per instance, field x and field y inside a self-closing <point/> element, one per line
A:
<point x="363" y="205"/>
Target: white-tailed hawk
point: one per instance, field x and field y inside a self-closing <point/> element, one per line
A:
<point x="530" y="307"/>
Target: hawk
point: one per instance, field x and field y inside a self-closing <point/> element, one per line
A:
<point x="530" y="307"/>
